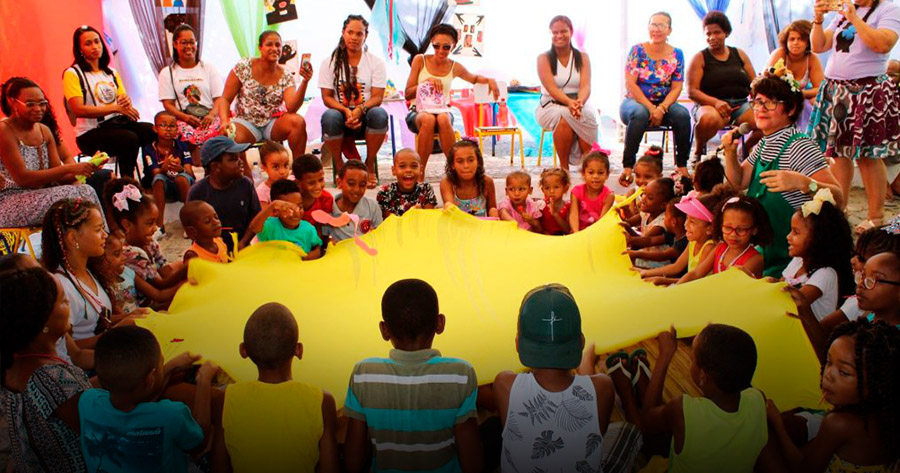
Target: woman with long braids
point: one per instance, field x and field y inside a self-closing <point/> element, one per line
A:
<point x="40" y="389"/>
<point x="352" y="82"/>
<point x="191" y="89"/>
<point x="73" y="237"/>
<point x="857" y="114"/>
<point x="99" y="106"/>
<point x="32" y="174"/>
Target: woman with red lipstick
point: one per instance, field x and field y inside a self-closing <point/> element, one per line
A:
<point x="785" y="170"/>
<point x="267" y="101"/>
<point x="718" y="82"/>
<point x="32" y="175"/>
<point x="857" y="115"/>
<point x="565" y="74"/>
<point x="654" y="76"/>
<point x="98" y="105"/>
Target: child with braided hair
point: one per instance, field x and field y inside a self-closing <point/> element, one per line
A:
<point x="72" y="234"/>
<point x="861" y="433"/>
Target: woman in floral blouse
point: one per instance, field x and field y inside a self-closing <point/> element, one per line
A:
<point x="654" y="75"/>
<point x="267" y="100"/>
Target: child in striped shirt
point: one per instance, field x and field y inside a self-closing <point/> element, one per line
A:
<point x="417" y="407"/>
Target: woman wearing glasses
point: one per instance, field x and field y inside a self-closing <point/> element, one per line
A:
<point x="654" y="76"/>
<point x="98" y="105"/>
<point x="565" y="74"/>
<point x="438" y="70"/>
<point x="191" y="90"/>
<point x="32" y="176"/>
<point x="857" y="114"/>
<point x="785" y="170"/>
<point x="267" y="100"/>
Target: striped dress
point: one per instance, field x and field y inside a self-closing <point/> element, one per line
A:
<point x="411" y="403"/>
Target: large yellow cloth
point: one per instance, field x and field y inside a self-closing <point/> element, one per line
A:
<point x="480" y="270"/>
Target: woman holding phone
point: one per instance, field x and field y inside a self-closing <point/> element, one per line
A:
<point x="857" y="114"/>
<point x="267" y="100"/>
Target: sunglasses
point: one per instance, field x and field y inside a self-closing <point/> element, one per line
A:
<point x="438" y="47"/>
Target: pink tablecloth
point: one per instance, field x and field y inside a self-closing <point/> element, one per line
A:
<point x="396" y="109"/>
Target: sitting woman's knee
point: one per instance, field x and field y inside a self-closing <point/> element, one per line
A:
<point x="425" y="121"/>
<point x="376" y="119"/>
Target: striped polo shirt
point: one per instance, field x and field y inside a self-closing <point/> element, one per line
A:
<point x="411" y="403"/>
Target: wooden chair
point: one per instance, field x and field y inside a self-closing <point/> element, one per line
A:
<point x="12" y="239"/>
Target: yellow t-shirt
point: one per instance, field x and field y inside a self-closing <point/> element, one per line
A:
<point x="273" y="427"/>
<point x="102" y="89"/>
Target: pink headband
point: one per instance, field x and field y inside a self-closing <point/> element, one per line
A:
<point x="692" y="206"/>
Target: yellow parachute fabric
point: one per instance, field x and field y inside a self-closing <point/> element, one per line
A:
<point x="480" y="270"/>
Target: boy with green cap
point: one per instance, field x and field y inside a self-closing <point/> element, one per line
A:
<point x="554" y="420"/>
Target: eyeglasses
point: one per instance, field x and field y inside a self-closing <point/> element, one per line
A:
<point x="767" y="104"/>
<point x="438" y="47"/>
<point x="740" y="231"/>
<point x="187" y="42"/>
<point x="869" y="282"/>
<point x="659" y="26"/>
<point x="31" y="104"/>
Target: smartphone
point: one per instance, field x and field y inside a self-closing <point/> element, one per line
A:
<point x="834" y="5"/>
<point x="304" y="60"/>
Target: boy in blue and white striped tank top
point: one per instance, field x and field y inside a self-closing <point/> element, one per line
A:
<point x="417" y="407"/>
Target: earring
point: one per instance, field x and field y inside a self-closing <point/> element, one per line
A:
<point x="77" y="246"/>
<point x="45" y="330"/>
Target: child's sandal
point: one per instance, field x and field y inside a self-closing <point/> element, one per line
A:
<point x="616" y="362"/>
<point x="639" y="365"/>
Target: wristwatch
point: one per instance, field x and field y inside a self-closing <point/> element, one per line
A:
<point x="813" y="187"/>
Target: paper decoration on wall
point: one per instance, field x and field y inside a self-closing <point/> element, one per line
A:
<point x="468" y="3"/>
<point x="428" y="99"/>
<point x="289" y="58"/>
<point x="471" y="34"/>
<point x="279" y="11"/>
<point x="170" y="3"/>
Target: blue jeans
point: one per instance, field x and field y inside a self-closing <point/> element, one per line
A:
<point x="636" y="117"/>
<point x="375" y="122"/>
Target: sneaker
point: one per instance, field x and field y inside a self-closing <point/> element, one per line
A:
<point x="160" y="234"/>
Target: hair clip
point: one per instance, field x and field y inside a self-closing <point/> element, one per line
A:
<point x="653" y="152"/>
<point x="129" y="192"/>
<point x="733" y="200"/>
<point x="781" y="71"/>
<point x="814" y="206"/>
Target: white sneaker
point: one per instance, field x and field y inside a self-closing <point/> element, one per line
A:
<point x="159" y="235"/>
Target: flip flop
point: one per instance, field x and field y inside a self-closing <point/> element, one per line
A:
<point x="638" y="365"/>
<point x="616" y="362"/>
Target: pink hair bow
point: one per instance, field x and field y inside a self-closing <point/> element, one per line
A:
<point x="596" y="147"/>
<point x="345" y="218"/>
<point x="129" y="192"/>
<point x="692" y="206"/>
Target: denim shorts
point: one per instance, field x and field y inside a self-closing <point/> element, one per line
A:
<point x="411" y="121"/>
<point x="742" y="106"/>
<point x="259" y="132"/>
<point x="169" y="184"/>
<point x="375" y="121"/>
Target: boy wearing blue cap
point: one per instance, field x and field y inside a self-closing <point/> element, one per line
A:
<point x="226" y="188"/>
<point x="554" y="420"/>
